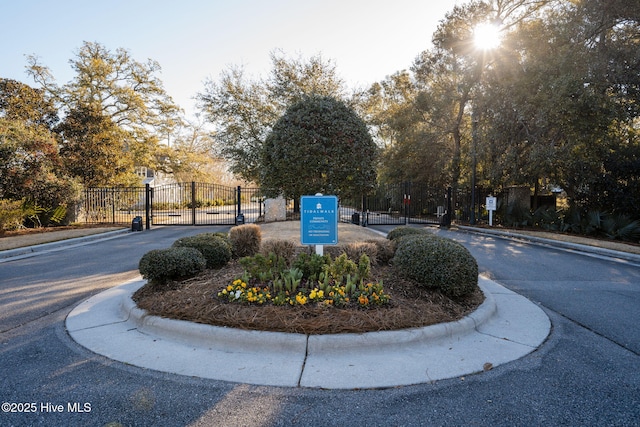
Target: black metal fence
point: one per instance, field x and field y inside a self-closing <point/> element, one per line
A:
<point x="196" y="203"/>
<point x="114" y="205"/>
<point x="192" y="203"/>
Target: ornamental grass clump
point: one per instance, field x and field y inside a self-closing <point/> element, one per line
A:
<point x="355" y="250"/>
<point x="214" y="247"/>
<point x="385" y="250"/>
<point x="282" y="248"/>
<point x="245" y="240"/>
<point x="159" y="266"/>
<point x="436" y="262"/>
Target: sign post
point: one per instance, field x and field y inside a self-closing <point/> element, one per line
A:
<point x="491" y="206"/>
<point x="319" y="221"/>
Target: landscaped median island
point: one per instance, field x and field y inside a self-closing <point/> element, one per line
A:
<point x="411" y="279"/>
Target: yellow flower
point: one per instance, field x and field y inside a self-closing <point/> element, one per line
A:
<point x="301" y="299"/>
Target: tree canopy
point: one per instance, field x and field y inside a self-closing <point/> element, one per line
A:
<point x="30" y="165"/>
<point x="114" y="106"/>
<point x="554" y="105"/>
<point x="242" y="111"/>
<point x="318" y="145"/>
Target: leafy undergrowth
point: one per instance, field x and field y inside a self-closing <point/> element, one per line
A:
<point x="196" y="300"/>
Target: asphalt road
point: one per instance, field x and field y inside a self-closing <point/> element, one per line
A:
<point x="586" y="373"/>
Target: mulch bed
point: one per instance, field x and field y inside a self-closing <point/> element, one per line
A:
<point x="411" y="306"/>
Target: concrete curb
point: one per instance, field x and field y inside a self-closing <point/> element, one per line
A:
<point x="28" y="251"/>
<point x="505" y="327"/>
<point x="195" y="334"/>
<point x="610" y="253"/>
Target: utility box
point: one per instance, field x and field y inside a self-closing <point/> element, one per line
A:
<point x="355" y="218"/>
<point x="136" y="224"/>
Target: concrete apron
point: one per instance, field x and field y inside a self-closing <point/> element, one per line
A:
<point x="505" y="327"/>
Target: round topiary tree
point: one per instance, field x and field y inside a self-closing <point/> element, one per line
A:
<point x="437" y="262"/>
<point x="318" y="145"/>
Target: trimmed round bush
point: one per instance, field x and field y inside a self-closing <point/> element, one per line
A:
<point x="437" y="262"/>
<point x="402" y="231"/>
<point x="159" y="266"/>
<point x="215" y="249"/>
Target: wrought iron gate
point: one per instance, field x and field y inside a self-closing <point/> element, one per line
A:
<point x="191" y="203"/>
<point x="399" y="204"/>
<point x="197" y="203"/>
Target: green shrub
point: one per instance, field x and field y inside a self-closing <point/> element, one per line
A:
<point x="11" y="215"/>
<point x="517" y="215"/>
<point x="437" y="262"/>
<point x="402" y="231"/>
<point x="621" y="227"/>
<point x="245" y="240"/>
<point x="159" y="266"/>
<point x="215" y="248"/>
<point x="311" y="265"/>
<point x="282" y="248"/>
<point x="264" y="267"/>
<point x="341" y="267"/>
<point x="364" y="267"/>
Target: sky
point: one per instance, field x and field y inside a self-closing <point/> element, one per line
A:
<point x="195" y="40"/>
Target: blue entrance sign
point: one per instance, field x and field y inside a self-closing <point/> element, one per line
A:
<point x="319" y="220"/>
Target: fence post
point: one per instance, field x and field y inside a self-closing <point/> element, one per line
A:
<point x="447" y="220"/>
<point x="113" y="205"/>
<point x="239" y="217"/>
<point x="406" y="201"/>
<point x="238" y="203"/>
<point x="193" y="203"/>
<point x="147" y="205"/>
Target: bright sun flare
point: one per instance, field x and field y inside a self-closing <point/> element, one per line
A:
<point x="486" y="36"/>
